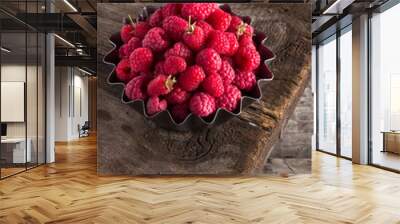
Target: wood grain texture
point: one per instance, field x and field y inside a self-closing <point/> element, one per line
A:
<point x="128" y="144"/>
<point x="70" y="191"/>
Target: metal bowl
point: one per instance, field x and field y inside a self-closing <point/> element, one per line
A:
<point x="193" y="122"/>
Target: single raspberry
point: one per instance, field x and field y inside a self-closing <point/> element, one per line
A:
<point x="171" y="9"/>
<point x="155" y="105"/>
<point x="213" y="84"/>
<point x="245" y="80"/>
<point x="179" y="112"/>
<point x="123" y="71"/>
<point x="129" y="47"/>
<point x="236" y="21"/>
<point x="247" y="58"/>
<point x="230" y="99"/>
<point x="181" y="50"/>
<point x="202" y="104"/>
<point x="193" y="37"/>
<point x="156" y="39"/>
<point x="226" y="72"/>
<point x="219" y="20"/>
<point x="175" y="27"/>
<point x="191" y="78"/>
<point x="177" y="96"/>
<point x="247" y="41"/>
<point x="156" y="18"/>
<point x="159" y="68"/>
<point x="198" y="11"/>
<point x="209" y="60"/>
<point x="141" y="59"/>
<point x="126" y="32"/>
<point x="136" y="88"/>
<point x="240" y="28"/>
<point x="140" y="29"/>
<point x="122" y="51"/>
<point x="207" y="28"/>
<point x="232" y="43"/>
<point x="160" y="85"/>
<point x="218" y="41"/>
<point x="174" y="65"/>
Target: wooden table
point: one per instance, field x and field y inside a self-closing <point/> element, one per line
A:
<point x="391" y="141"/>
<point x="130" y="145"/>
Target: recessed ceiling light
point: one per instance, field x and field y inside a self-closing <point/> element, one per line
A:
<point x="84" y="71"/>
<point x="5" y="50"/>
<point x="64" y="40"/>
<point x="70" y="5"/>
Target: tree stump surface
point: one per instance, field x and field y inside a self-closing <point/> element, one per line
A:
<point x="128" y="144"/>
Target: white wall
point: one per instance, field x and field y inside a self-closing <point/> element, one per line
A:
<point x="71" y="102"/>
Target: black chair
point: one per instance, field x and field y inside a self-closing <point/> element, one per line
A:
<point x="84" y="130"/>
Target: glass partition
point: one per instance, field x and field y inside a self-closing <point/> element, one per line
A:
<point x="22" y="101"/>
<point x="13" y="104"/>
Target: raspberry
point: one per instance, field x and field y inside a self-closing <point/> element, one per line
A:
<point x="159" y="68"/>
<point x="181" y="50"/>
<point x="156" y="18"/>
<point x="198" y="11"/>
<point x="247" y="41"/>
<point x="156" y="39"/>
<point x="245" y="80"/>
<point x="209" y="59"/>
<point x="123" y="71"/>
<point x="226" y="72"/>
<point x="141" y="59"/>
<point x="240" y="28"/>
<point x="213" y="84"/>
<point x="179" y="112"/>
<point x="174" y="65"/>
<point x="140" y="29"/>
<point x="230" y="98"/>
<point x="202" y="104"/>
<point x="219" y="20"/>
<point x="129" y="47"/>
<point x="191" y="78"/>
<point x="171" y="9"/>
<point x="235" y="23"/>
<point x="175" y="27"/>
<point x="155" y="105"/>
<point x="247" y="58"/>
<point x="217" y="40"/>
<point x="136" y="88"/>
<point x="177" y="96"/>
<point x="126" y="32"/>
<point x="122" y="50"/>
<point x="193" y="37"/>
<point x="160" y="85"/>
<point x="232" y="43"/>
<point x="207" y="28"/>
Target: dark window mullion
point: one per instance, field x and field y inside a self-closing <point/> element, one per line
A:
<point x="338" y="73"/>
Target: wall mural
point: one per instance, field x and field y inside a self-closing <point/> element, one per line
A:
<point x="190" y="88"/>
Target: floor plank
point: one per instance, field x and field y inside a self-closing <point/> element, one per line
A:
<point x="70" y="191"/>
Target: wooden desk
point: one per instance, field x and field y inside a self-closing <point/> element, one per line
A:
<point x="391" y="141"/>
<point x="19" y="155"/>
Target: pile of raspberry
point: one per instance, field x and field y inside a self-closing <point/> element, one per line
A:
<point x="188" y="58"/>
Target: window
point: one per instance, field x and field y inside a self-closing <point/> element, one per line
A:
<point x="385" y="89"/>
<point x="346" y="92"/>
<point x="327" y="96"/>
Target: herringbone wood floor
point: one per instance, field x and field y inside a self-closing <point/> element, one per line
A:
<point x="69" y="191"/>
